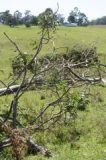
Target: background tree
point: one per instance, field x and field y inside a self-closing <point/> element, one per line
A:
<point x="18" y="17"/>
<point x="47" y="18"/>
<point x="60" y="18"/>
<point x="1" y="17"/>
<point x="83" y="20"/>
<point x="7" y="17"/>
<point x="78" y="17"/>
<point x="73" y="17"/>
<point x="27" y="18"/>
<point x="34" y="20"/>
<point x="99" y="21"/>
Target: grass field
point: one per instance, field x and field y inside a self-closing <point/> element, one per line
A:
<point x="65" y="36"/>
<point x="91" y="123"/>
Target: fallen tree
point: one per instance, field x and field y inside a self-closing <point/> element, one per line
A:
<point x="13" y="89"/>
<point x="59" y="74"/>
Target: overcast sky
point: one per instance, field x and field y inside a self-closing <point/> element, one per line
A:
<point x="92" y="8"/>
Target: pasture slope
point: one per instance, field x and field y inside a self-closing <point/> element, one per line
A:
<point x="91" y="124"/>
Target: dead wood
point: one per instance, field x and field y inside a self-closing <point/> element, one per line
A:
<point x="13" y="89"/>
<point x="33" y="148"/>
<point x="5" y="143"/>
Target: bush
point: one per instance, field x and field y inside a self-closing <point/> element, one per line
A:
<point x="80" y="53"/>
<point x="28" y="25"/>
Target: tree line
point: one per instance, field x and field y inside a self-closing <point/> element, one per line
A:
<point x="99" y="21"/>
<point x="28" y="19"/>
<point x="17" y="18"/>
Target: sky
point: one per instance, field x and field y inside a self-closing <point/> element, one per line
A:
<point x="92" y="8"/>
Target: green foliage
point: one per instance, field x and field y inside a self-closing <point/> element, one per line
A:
<point x="78" y="17"/>
<point x="19" y="62"/>
<point x="77" y="101"/>
<point x="82" y="103"/>
<point x="80" y="53"/>
<point x="77" y="54"/>
<point x="47" y="19"/>
<point x="99" y="21"/>
<point x="27" y="24"/>
<point x="34" y="20"/>
<point x="6" y="17"/>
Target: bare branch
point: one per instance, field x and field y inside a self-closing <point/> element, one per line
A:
<point x="16" y="46"/>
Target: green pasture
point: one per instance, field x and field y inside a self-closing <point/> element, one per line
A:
<point x="91" y="123"/>
<point x="64" y="37"/>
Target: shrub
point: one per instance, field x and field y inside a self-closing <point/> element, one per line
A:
<point x="28" y="25"/>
